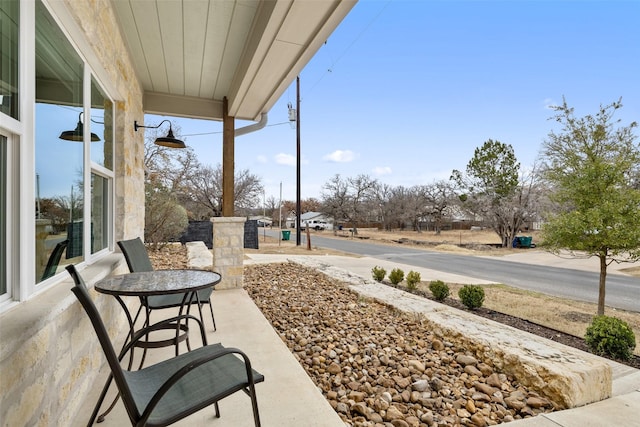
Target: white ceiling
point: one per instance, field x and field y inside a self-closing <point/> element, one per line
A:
<point x="190" y="54"/>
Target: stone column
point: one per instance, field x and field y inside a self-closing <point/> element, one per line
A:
<point x="228" y="250"/>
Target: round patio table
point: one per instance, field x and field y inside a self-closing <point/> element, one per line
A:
<point x="144" y="284"/>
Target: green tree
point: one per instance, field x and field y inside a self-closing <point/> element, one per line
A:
<point x="493" y="189"/>
<point x="592" y="165"/>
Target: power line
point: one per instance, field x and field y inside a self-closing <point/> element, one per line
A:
<point x="353" y="42"/>
<point x="218" y="132"/>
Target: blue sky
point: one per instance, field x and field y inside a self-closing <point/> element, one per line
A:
<point x="404" y="91"/>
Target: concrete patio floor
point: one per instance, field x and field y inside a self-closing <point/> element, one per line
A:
<point x="287" y="397"/>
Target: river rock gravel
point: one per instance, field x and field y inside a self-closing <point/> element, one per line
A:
<point x="377" y="366"/>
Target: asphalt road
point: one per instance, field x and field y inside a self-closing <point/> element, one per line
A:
<point x="622" y="291"/>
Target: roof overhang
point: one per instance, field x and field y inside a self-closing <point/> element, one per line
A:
<point x="190" y="55"/>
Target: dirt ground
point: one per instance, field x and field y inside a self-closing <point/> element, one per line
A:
<point x="571" y="317"/>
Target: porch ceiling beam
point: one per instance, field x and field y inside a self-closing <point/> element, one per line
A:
<point x="182" y="106"/>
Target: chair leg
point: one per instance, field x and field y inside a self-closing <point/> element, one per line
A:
<point x="200" y="310"/>
<point x="254" y="404"/>
<point x="147" y="322"/>
<point x="212" y="317"/>
<point x="200" y="304"/>
<point x="188" y="304"/>
<point x="96" y="409"/>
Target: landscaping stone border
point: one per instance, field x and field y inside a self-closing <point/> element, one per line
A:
<point x="568" y="377"/>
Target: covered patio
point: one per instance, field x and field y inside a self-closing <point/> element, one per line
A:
<point x="103" y="64"/>
<point x="287" y="397"/>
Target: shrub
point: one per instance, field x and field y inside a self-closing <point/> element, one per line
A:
<point x="471" y="296"/>
<point x="439" y="289"/>
<point x="165" y="220"/>
<point x="610" y="336"/>
<point x="396" y="276"/>
<point x="413" y="278"/>
<point x="378" y="273"/>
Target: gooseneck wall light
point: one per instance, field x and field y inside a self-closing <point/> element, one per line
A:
<point x="78" y="133"/>
<point x="166" y="141"/>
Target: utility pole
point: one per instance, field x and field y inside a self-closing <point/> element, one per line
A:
<point x="298" y="204"/>
<point x="280" y="215"/>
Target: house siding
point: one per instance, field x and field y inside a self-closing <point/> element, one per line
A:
<point x="49" y="357"/>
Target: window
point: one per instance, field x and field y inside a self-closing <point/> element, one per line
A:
<point x="101" y="167"/>
<point x="56" y="150"/>
<point x="99" y="213"/>
<point x="59" y="147"/>
<point x="3" y="219"/>
<point x="101" y="124"/>
<point x="9" y="18"/>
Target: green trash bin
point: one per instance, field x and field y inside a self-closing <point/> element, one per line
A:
<point x="286" y="234"/>
<point x="525" y="241"/>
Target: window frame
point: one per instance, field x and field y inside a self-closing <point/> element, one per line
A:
<point x="20" y="171"/>
<point x="8" y="203"/>
<point x="92" y="167"/>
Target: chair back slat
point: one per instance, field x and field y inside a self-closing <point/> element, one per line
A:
<point x="81" y="292"/>
<point x="54" y="260"/>
<point x="136" y="255"/>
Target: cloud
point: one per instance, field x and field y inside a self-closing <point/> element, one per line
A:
<point x="285" y="159"/>
<point x="549" y="103"/>
<point x="262" y="159"/>
<point x="382" y="170"/>
<point x="289" y="160"/>
<point x="340" y="156"/>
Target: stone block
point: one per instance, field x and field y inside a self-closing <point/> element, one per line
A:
<point x="566" y="376"/>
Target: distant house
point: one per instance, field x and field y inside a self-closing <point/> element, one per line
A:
<point x="311" y="217"/>
<point x="263" y="221"/>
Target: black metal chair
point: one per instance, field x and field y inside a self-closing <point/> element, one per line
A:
<point x="54" y="260"/>
<point x="171" y="390"/>
<point x="137" y="259"/>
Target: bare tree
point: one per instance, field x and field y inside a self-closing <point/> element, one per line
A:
<point x="381" y="199"/>
<point x="417" y="206"/>
<point x="440" y="197"/>
<point x="247" y="190"/>
<point x="346" y="199"/>
<point x="206" y="191"/>
<point x="399" y="206"/>
<point x="335" y="198"/>
<point x="272" y="208"/>
<point x="168" y="167"/>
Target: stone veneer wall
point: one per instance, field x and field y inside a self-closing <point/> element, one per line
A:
<point x="228" y="250"/>
<point x="49" y="355"/>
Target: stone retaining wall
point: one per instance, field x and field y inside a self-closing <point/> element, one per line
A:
<point x="567" y="376"/>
